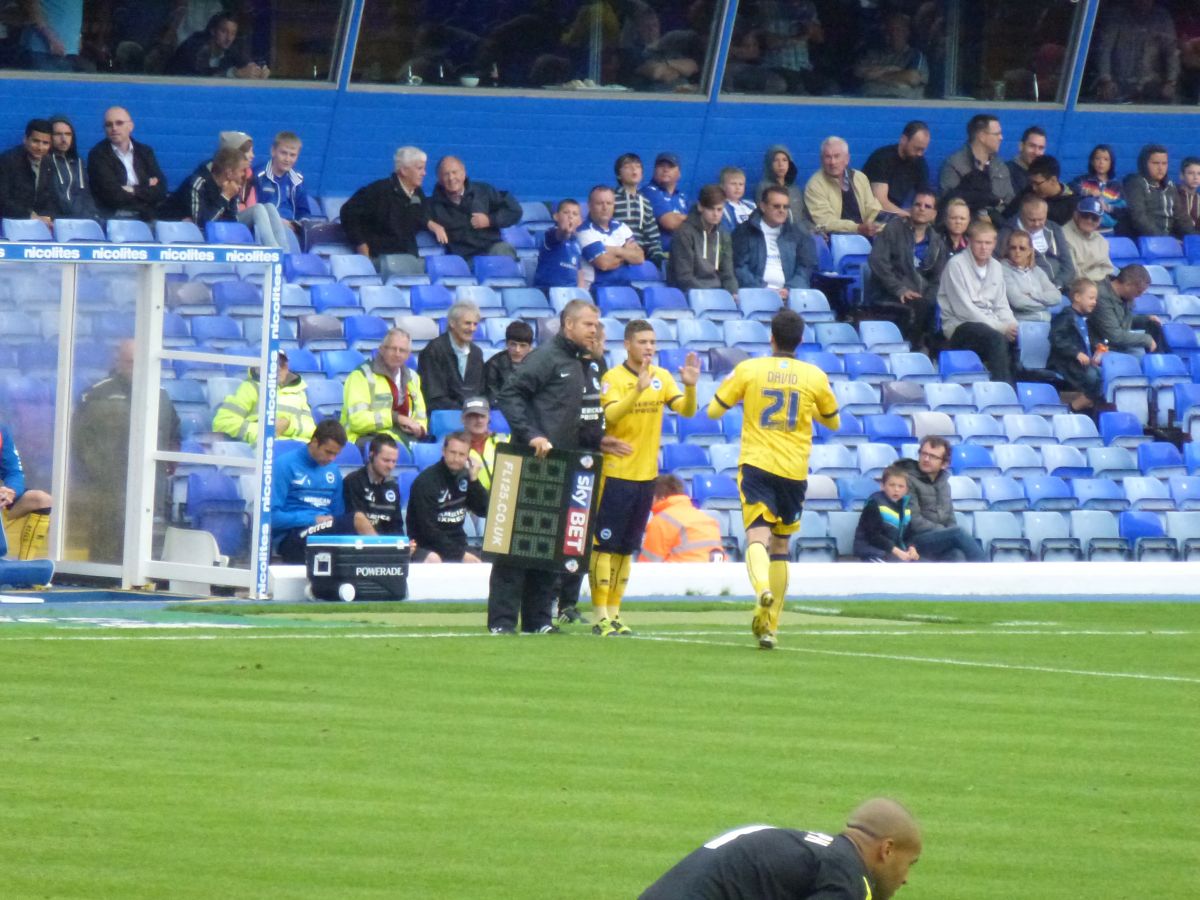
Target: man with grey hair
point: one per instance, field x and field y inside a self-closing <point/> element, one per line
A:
<point x="839" y="198"/>
<point x="451" y="365"/>
<point x="383" y="395"/>
<point x="384" y="216"/>
<point x="471" y="213"/>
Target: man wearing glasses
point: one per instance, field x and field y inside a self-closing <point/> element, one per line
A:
<point x="905" y="267"/>
<point x="1044" y="181"/>
<point x="126" y="179"/>
<point x="975" y="173"/>
<point x="771" y="251"/>
<point x="935" y="531"/>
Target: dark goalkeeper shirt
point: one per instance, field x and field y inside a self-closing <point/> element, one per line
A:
<point x="380" y="502"/>
<point x="759" y="862"/>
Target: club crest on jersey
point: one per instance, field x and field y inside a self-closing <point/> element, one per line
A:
<point x="329" y="478"/>
<point x="656" y="384"/>
<point x="462" y="484"/>
<point x="605" y="534"/>
<point x="390" y="496"/>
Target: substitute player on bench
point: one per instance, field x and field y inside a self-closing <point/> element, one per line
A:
<point x="633" y="396"/>
<point x="780" y="397"/>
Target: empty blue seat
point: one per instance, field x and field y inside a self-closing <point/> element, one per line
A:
<point x="1121" y="370"/>
<point x="1185" y="491"/>
<point x="425" y="455"/>
<point x="829" y="363"/>
<point x="935" y="423"/>
<point x="237" y="298"/>
<point x="903" y="397"/>
<point x="1097" y="534"/>
<point x="432" y="300"/>
<point x="849" y="432"/>
<point x="977" y="428"/>
<point x="1028" y="429"/>
<point x="965" y="494"/>
<point x="834" y="460"/>
<point x="215" y="505"/>
<point x="535" y="212"/>
<point x="129" y="231"/>
<point x="403" y="270"/>
<point x="882" y="336"/>
<point x="448" y="270"/>
<point x="713" y="303"/>
<point x="1184" y="527"/>
<point x="1033" y="344"/>
<point x="887" y="429"/>
<point x="1039" y="399"/>
<point x="748" y="334"/>
<point x="1122" y="251"/>
<point x="324" y="396"/>
<point x="1160" y="458"/>
<point x="519" y="238"/>
<point x="716" y="492"/>
<point x="216" y="331"/>
<point x="303" y="361"/>
<point x="686" y="460"/>
<point x="78" y="230"/>
<point x="1049" y="537"/>
<point x="1018" y="460"/>
<point x="335" y="300"/>
<point x="995" y="398"/>
<point x="1161" y="250"/>
<point x="1121" y="429"/>
<point x="838" y="337"/>
<point x="483" y="296"/>
<point x="177" y="233"/>
<point x="324" y="238"/>
<point x="525" y="302"/>
<point x="1191" y="248"/>
<point x="699" y="334"/>
<point x="352" y="269"/>
<point x="868" y="367"/>
<point x="1183" y="308"/>
<point x="1112" y="462"/>
<point x="620" y="302"/>
<point x="1048" y="492"/>
<point x="873" y="458"/>
<point x="364" y="332"/>
<point x="384" y="300"/>
<point x="856" y="491"/>
<point x="1003" y="493"/>
<point x="498" y="271"/>
<point x="1160" y="280"/>
<point x="724" y="457"/>
<point x="974" y="460"/>
<point x="1098" y="493"/>
<point x="307" y="269"/>
<point x="950" y="398"/>
<point x="25" y="230"/>
<point x="760" y="304"/>
<point x="663" y="302"/>
<point x="1144" y="530"/>
<point x="962" y="366"/>
<point x="444" y="421"/>
<point x="1150" y="305"/>
<point x="1000" y="534"/>
<point x="700" y="429"/>
<point x="1143" y="492"/>
<point x="1065" y="462"/>
<point x="913" y="367"/>
<point x="857" y="397"/>
<point x="340" y="363"/>
<point x="227" y="233"/>
<point x="811" y="304"/>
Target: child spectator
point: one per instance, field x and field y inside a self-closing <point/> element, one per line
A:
<point x="560" y="257"/>
<point x="737" y="207"/>
<point x="1101" y="181"/>
<point x="1073" y="352"/>
<point x="881" y="535"/>
<point x="281" y="184"/>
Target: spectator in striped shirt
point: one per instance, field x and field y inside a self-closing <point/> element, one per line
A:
<point x="634" y="209"/>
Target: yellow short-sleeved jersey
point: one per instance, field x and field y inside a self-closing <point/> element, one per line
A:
<point x="642" y="425"/>
<point x="780" y="397"/>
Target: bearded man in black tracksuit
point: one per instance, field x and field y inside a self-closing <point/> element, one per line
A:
<point x="543" y="403"/>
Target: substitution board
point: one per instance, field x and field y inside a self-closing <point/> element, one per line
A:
<point x="540" y="513"/>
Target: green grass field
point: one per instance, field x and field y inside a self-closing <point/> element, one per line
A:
<point x="1049" y="750"/>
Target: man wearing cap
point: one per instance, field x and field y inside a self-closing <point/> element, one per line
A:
<point x="634" y="208"/>
<point x="518" y="341"/>
<point x="476" y="417"/>
<point x="670" y="204"/>
<point x="237" y="416"/>
<point x="1089" y="249"/>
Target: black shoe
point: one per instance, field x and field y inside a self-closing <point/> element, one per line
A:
<point x="548" y="629"/>
<point x="502" y="629"/>
<point x="570" y="615"/>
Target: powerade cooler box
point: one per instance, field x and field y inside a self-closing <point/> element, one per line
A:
<point x="353" y="567"/>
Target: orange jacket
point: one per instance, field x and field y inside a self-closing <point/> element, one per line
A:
<point x="678" y="532"/>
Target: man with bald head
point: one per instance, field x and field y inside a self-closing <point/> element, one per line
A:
<point x="1052" y="253"/>
<point x="127" y="182"/>
<point x="471" y="213"/>
<point x="869" y="860"/>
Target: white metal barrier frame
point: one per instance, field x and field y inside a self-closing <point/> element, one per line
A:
<point x="137" y="568"/>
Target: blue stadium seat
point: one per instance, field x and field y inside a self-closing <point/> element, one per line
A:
<point x="78" y="230"/>
<point x="751" y="336"/>
<point x="1003" y="493"/>
<point x="520" y="239"/>
<point x="561" y="296"/>
<point x="1191" y="248"/>
<point x="976" y="428"/>
<point x="1049" y="537"/>
<point x="1046" y="492"/>
<point x="1161" y="250"/>
<point x="1122" y="251"/>
<point x="1121" y="429"/>
<point x="913" y="367"/>
<point x="645" y="274"/>
<point x="995" y="398"/>
<point x="364" y="333"/>
<point x="296" y="299"/>
<point x="237" y="298"/>
<point x="810" y="303"/>
<point x="227" y="233"/>
<point x="724" y="457"/>
<point x="887" y="429"/>
<point x="449" y="270"/>
<point x="673" y="358"/>
<point x="25" y="230"/>
<point x="216" y="331"/>
<point x="1184" y="528"/>
<point x="663" y="302"/>
<point x="422" y="330"/>
<point x="177" y="233"/>
<point x="304" y="361"/>
<point x="325" y="238"/>
<point x="1039" y="399"/>
<point x="855" y="491"/>
<point x="664" y="333"/>
<point x="484" y="296"/>
<point x="715" y="492"/>
<point x="620" y="302"/>
<point x="1112" y="462"/>
<point x="403" y="270"/>
<point x="176" y="331"/>
<point x="700" y="429"/>
<point x="1183" y="342"/>
<point x="713" y="303"/>
<point x="352" y="269"/>
<point x="962" y="366"/>
<point x="965" y="494"/>
<point x="1018" y="460"/>
<point x="1160" y="280"/>
<point x="973" y="460"/>
<point x="427" y="246"/>
<point x="535" y="213"/>
<point x="1150" y="305"/>
<point x="1144" y="530"/>
<point x="760" y="304"/>
<point x="1096" y="531"/>
<point x="1143" y="492"/>
<point x="1028" y="429"/>
<point x="384" y="300"/>
<point x="813" y="542"/>
<point x="1033" y="344"/>
<point x="838" y="337"/>
<point x="686" y="460"/>
<point x="869" y="367"/>
<point x="325" y="397"/>
<point x="491" y="331"/>
<point x="1000" y="534"/>
<point x="857" y="397"/>
<point x="950" y="398"/>
<point x="129" y="231"/>
<point x="320" y="332"/>
<point x="822" y="493"/>
<point x="1165" y="371"/>
<point x="215" y="505"/>
<point x="335" y="300"/>
<point x="901" y="398"/>
<point x="882" y="336"/>
<point x="834" y="460"/>
<point x="425" y="455"/>
<point x="1185" y="491"/>
<point x="699" y="334"/>
<point x="1098" y="493"/>
<point x="829" y="363"/>
<point x="1160" y="459"/>
<point x="1065" y="462"/>
<point x="431" y="300"/>
<point x="850" y="431"/>
<point x="498" y="271"/>
<point x="525" y="303"/>
<point x="210" y="272"/>
<point x="444" y="421"/>
<point x="1183" y="308"/>
<point x="873" y="458"/>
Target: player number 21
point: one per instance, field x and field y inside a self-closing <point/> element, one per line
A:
<point x="777" y="398"/>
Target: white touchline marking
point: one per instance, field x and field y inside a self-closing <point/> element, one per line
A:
<point x="963" y="632"/>
<point x="942" y="661"/>
<point x="243" y="636"/>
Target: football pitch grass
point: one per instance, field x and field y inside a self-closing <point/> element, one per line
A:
<point x="1048" y="749"/>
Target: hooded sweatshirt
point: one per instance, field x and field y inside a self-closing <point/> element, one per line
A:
<point x="70" y="179"/>
<point x="1154" y="207"/>
<point x="795" y="194"/>
<point x="701" y="257"/>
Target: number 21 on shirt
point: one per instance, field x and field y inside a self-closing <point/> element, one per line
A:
<point x="773" y="416"/>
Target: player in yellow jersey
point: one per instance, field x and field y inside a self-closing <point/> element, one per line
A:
<point x="780" y="397"/>
<point x="633" y="396"/>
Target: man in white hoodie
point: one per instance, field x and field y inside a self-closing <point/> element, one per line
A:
<point x="975" y="311"/>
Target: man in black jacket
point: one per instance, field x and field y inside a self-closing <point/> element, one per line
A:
<point x="210" y="194"/>
<point x="518" y="341"/>
<point x="543" y="402"/>
<point x="439" y="500"/>
<point x="373" y="491"/>
<point x="471" y="212"/>
<point x="905" y="269"/>
<point x="26" y="178"/>
<point x="384" y="216"/>
<point x="451" y="365"/>
<point x="127" y="182"/>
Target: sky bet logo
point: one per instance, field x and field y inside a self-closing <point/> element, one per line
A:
<point x="579" y="508"/>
